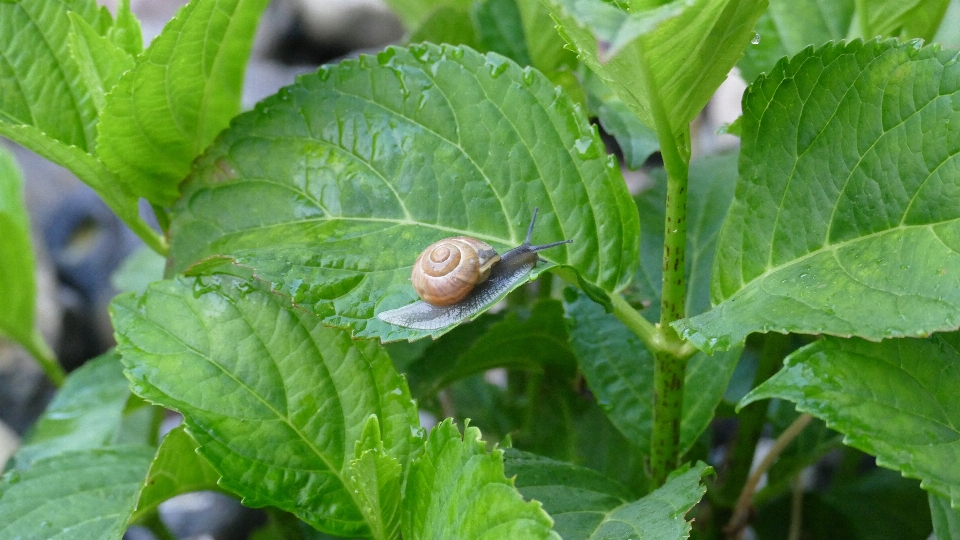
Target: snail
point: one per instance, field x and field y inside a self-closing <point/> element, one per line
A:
<point x="457" y="277"/>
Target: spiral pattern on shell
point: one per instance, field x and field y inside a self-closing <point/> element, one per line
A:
<point x="449" y="269"/>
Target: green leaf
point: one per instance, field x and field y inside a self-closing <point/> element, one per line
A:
<point x="710" y="188"/>
<point x="946" y="519"/>
<point x="275" y="400"/>
<point x="184" y="89"/>
<point x="138" y="270"/>
<point x="77" y="495"/>
<point x="619" y="370"/>
<point x="448" y="24"/>
<point x="356" y="169"/>
<point x="578" y="499"/>
<point x="531" y="344"/>
<point x="457" y="490"/>
<point x="86" y="413"/>
<point x="547" y="49"/>
<point x="585" y="504"/>
<point x="85" y="166"/>
<point x="376" y="476"/>
<point x="892" y="399"/>
<point x="100" y="61"/>
<point x="689" y="45"/>
<point x="413" y="12"/>
<point x="17" y="281"/>
<point x="637" y="141"/>
<point x="789" y="26"/>
<point x="835" y="210"/>
<point x="40" y="84"/>
<point x="899" y="18"/>
<point x="500" y="29"/>
<point x="177" y="468"/>
<point x="125" y="32"/>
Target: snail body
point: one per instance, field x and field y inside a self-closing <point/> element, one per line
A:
<point x="452" y="292"/>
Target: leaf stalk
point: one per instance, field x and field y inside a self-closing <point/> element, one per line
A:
<point x="669" y="369"/>
<point x="38" y="348"/>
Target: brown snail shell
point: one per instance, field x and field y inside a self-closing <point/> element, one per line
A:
<point x="483" y="282"/>
<point x="449" y="269"/>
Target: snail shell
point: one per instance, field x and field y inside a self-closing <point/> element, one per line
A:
<point x="449" y="269"/>
<point x="495" y="276"/>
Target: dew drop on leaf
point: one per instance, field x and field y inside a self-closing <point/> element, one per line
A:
<point x="385" y="56"/>
<point x="528" y="75"/>
<point x="496" y="68"/>
<point x="585" y="147"/>
<point x="756" y="39"/>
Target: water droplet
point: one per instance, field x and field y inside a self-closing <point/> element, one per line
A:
<point x="497" y="67"/>
<point x="585" y="148"/>
<point x="420" y="52"/>
<point x="456" y="52"/>
<point x="323" y="73"/>
<point x="756" y="39"/>
<point x="385" y="57"/>
<point x="528" y="75"/>
<point x="803" y="275"/>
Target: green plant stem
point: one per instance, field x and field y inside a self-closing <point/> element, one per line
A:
<point x="632" y="319"/>
<point x="742" y="510"/>
<point x="669" y="368"/>
<point x="751" y="420"/>
<point x="674" y="282"/>
<point x="38" y="348"/>
<point x="669" y="372"/>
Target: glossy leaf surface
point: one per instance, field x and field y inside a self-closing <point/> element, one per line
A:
<point x="75" y="495"/>
<point x="101" y="63"/>
<point x="578" y="499"/>
<point x="588" y="505"/>
<point x="184" y="89"/>
<point x="44" y="89"/>
<point x="86" y="412"/>
<point x="637" y="141"/>
<point x="848" y="196"/>
<point x="275" y="400"/>
<point x="457" y="490"/>
<point x="355" y="169"/>
<point x="789" y="26"/>
<point x="894" y="399"/>
<point x="176" y="468"/>
<point x="690" y="46"/>
<point x="946" y="519"/>
<point x="17" y="281"/>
